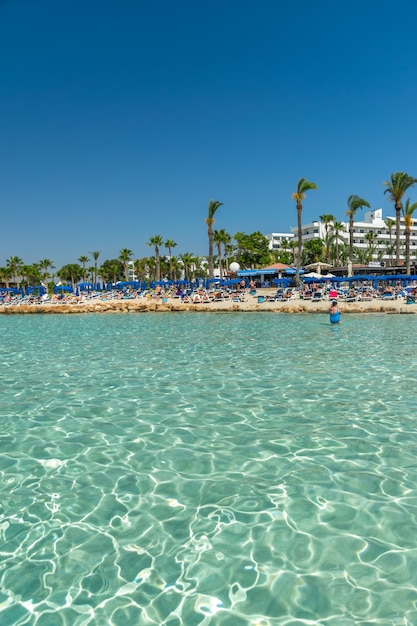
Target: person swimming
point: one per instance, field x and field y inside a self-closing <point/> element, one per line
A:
<point x="334" y="312"/>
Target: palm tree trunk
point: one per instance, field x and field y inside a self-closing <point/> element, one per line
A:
<point x="397" y="234"/>
<point x="351" y="238"/>
<point x="300" y="243"/>
<point x="210" y="255"/>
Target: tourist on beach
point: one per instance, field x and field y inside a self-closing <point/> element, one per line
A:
<point x="334" y="313"/>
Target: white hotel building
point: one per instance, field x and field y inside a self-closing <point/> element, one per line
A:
<point x="373" y="222"/>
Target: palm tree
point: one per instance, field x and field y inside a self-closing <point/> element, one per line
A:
<point x="71" y="273"/>
<point x="156" y="241"/>
<point x="327" y="219"/>
<point x="354" y="203"/>
<point x="140" y="267"/>
<point x="176" y="268"/>
<point x="5" y="275"/>
<point x="212" y="208"/>
<point x="226" y="240"/>
<point x="371" y="237"/>
<point x="84" y="260"/>
<point x="337" y="227"/>
<point x="408" y="211"/>
<point x="15" y="264"/>
<point x="303" y="186"/>
<point x="220" y="238"/>
<point x="293" y="246"/>
<point x="95" y="254"/>
<point x="187" y="260"/>
<point x="396" y="188"/>
<point x="46" y="265"/>
<point x="390" y="223"/>
<point x="169" y="244"/>
<point x="125" y="256"/>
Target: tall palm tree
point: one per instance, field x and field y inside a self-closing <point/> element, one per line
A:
<point x="354" y="203"/>
<point x="226" y="241"/>
<point x="124" y="257"/>
<point x="390" y="223"/>
<point x="15" y="264"/>
<point x="337" y="228"/>
<point x="84" y="260"/>
<point x="95" y="254"/>
<point x="169" y="244"/>
<point x="212" y="208"/>
<point x="327" y="219"/>
<point x="187" y="260"/>
<point x="176" y="268"/>
<point x="408" y="211"/>
<point x="303" y="186"/>
<point x="156" y="241"/>
<point x="396" y="188"/>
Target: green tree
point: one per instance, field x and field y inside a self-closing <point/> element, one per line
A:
<point x="354" y="204"/>
<point x="140" y="267"/>
<point x="169" y="244"/>
<point x="84" y="260"/>
<point x="31" y="274"/>
<point x="396" y="187"/>
<point x="252" y="251"/>
<point x="337" y="228"/>
<point x="71" y="273"/>
<point x="111" y="270"/>
<point x="5" y="275"/>
<point x="303" y="186"/>
<point x="125" y="255"/>
<point x="219" y="237"/>
<point x="212" y="208"/>
<point x="327" y="219"/>
<point x="390" y="251"/>
<point x="187" y="259"/>
<point x="293" y="246"/>
<point x="408" y="211"/>
<point x="371" y="238"/>
<point x="314" y="251"/>
<point x="156" y="241"/>
<point x="15" y="264"/>
<point x="95" y="254"/>
<point x="176" y="268"/>
<point x="45" y="265"/>
<point x="390" y="223"/>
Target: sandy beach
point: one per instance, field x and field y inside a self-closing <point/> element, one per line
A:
<point x="249" y="305"/>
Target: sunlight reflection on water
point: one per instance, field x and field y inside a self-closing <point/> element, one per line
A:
<point x="221" y="469"/>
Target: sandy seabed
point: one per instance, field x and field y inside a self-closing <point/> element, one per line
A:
<point x="251" y="304"/>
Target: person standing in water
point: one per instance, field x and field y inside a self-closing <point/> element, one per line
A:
<point x="334" y="312"/>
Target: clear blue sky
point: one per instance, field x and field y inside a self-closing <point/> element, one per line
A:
<point x="120" y="119"/>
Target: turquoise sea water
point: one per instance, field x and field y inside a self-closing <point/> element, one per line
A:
<point x="208" y="469"/>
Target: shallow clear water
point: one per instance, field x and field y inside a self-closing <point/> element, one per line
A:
<point x="208" y="469"/>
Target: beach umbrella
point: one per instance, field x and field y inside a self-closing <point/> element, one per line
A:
<point x="318" y="266"/>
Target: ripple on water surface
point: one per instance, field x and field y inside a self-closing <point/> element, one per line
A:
<point x="222" y="470"/>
